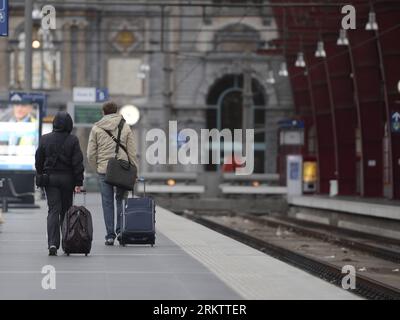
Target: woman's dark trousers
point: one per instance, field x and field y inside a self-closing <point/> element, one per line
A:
<point x="59" y="199"/>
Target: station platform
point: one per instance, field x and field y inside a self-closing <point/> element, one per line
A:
<point x="380" y="208"/>
<point x="189" y="262"/>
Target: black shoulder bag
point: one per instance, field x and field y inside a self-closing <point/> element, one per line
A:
<point x="42" y="179"/>
<point x="120" y="173"/>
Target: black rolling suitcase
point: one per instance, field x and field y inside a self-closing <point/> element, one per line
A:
<point x="138" y="220"/>
<point x="77" y="230"/>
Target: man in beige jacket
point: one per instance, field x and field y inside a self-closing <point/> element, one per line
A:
<point x="100" y="149"/>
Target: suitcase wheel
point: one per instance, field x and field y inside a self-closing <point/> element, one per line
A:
<point x="67" y="254"/>
<point x="86" y="254"/>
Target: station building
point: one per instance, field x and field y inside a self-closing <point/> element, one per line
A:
<point x="337" y="110"/>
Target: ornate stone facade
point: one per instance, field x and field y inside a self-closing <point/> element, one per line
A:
<point x="90" y="38"/>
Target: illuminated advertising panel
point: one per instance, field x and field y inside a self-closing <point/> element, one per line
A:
<point x="3" y="18"/>
<point x="19" y="135"/>
<point x="310" y="171"/>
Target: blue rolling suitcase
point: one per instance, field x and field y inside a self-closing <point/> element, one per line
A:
<point x="138" y="220"/>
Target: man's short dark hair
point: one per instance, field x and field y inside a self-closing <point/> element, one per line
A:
<point x="110" y="107"/>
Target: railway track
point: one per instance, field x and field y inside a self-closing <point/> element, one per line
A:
<point x="356" y="240"/>
<point x="365" y="287"/>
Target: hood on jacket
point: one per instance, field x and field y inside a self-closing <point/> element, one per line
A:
<point x="109" y="122"/>
<point x="62" y="122"/>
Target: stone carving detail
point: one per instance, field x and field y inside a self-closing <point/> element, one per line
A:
<point x="126" y="37"/>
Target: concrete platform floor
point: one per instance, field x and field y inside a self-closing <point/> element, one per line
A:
<point x="189" y="261"/>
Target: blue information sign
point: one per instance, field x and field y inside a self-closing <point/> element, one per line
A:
<point x="294" y="171"/>
<point x="293" y="124"/>
<point x="101" y="94"/>
<point x="3" y="18"/>
<point x="395" y="122"/>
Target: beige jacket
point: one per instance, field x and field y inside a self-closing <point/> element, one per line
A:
<point x="101" y="147"/>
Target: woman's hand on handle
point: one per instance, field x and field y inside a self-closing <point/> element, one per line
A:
<point x="78" y="189"/>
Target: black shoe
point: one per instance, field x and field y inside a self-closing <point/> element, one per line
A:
<point x="53" y="251"/>
<point x="109" y="242"/>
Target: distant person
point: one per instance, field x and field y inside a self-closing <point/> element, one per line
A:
<point x="100" y="149"/>
<point x="59" y="155"/>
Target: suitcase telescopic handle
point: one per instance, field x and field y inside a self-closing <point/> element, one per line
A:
<point x="84" y="197"/>
<point x="140" y="179"/>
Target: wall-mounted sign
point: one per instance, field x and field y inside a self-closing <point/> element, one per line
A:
<point x="292" y="137"/>
<point x="85" y="114"/>
<point x="81" y="94"/>
<point x="89" y="94"/>
<point x="101" y="94"/>
<point x="291" y="123"/>
<point x="3" y="18"/>
<point x="395" y="122"/>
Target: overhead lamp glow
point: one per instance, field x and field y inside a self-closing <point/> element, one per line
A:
<point x="270" y="78"/>
<point x="131" y="114"/>
<point x="371" y="24"/>
<point x="320" y="52"/>
<point x="144" y="68"/>
<point x="300" y="60"/>
<point x="35" y="44"/>
<point x="255" y="184"/>
<point x="283" y="72"/>
<point x="342" y="40"/>
<point x="171" y="182"/>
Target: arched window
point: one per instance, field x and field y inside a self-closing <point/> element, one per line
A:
<point x="46" y="60"/>
<point x="225" y="111"/>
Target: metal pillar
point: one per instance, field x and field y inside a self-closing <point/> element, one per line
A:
<point x="247" y="95"/>
<point x="28" y="45"/>
<point x="167" y="92"/>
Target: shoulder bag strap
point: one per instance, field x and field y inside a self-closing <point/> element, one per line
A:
<point x="117" y="140"/>
<point x="120" y="126"/>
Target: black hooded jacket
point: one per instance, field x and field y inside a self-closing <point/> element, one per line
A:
<point x="61" y="141"/>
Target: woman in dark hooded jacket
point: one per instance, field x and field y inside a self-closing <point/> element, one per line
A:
<point x="59" y="155"/>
